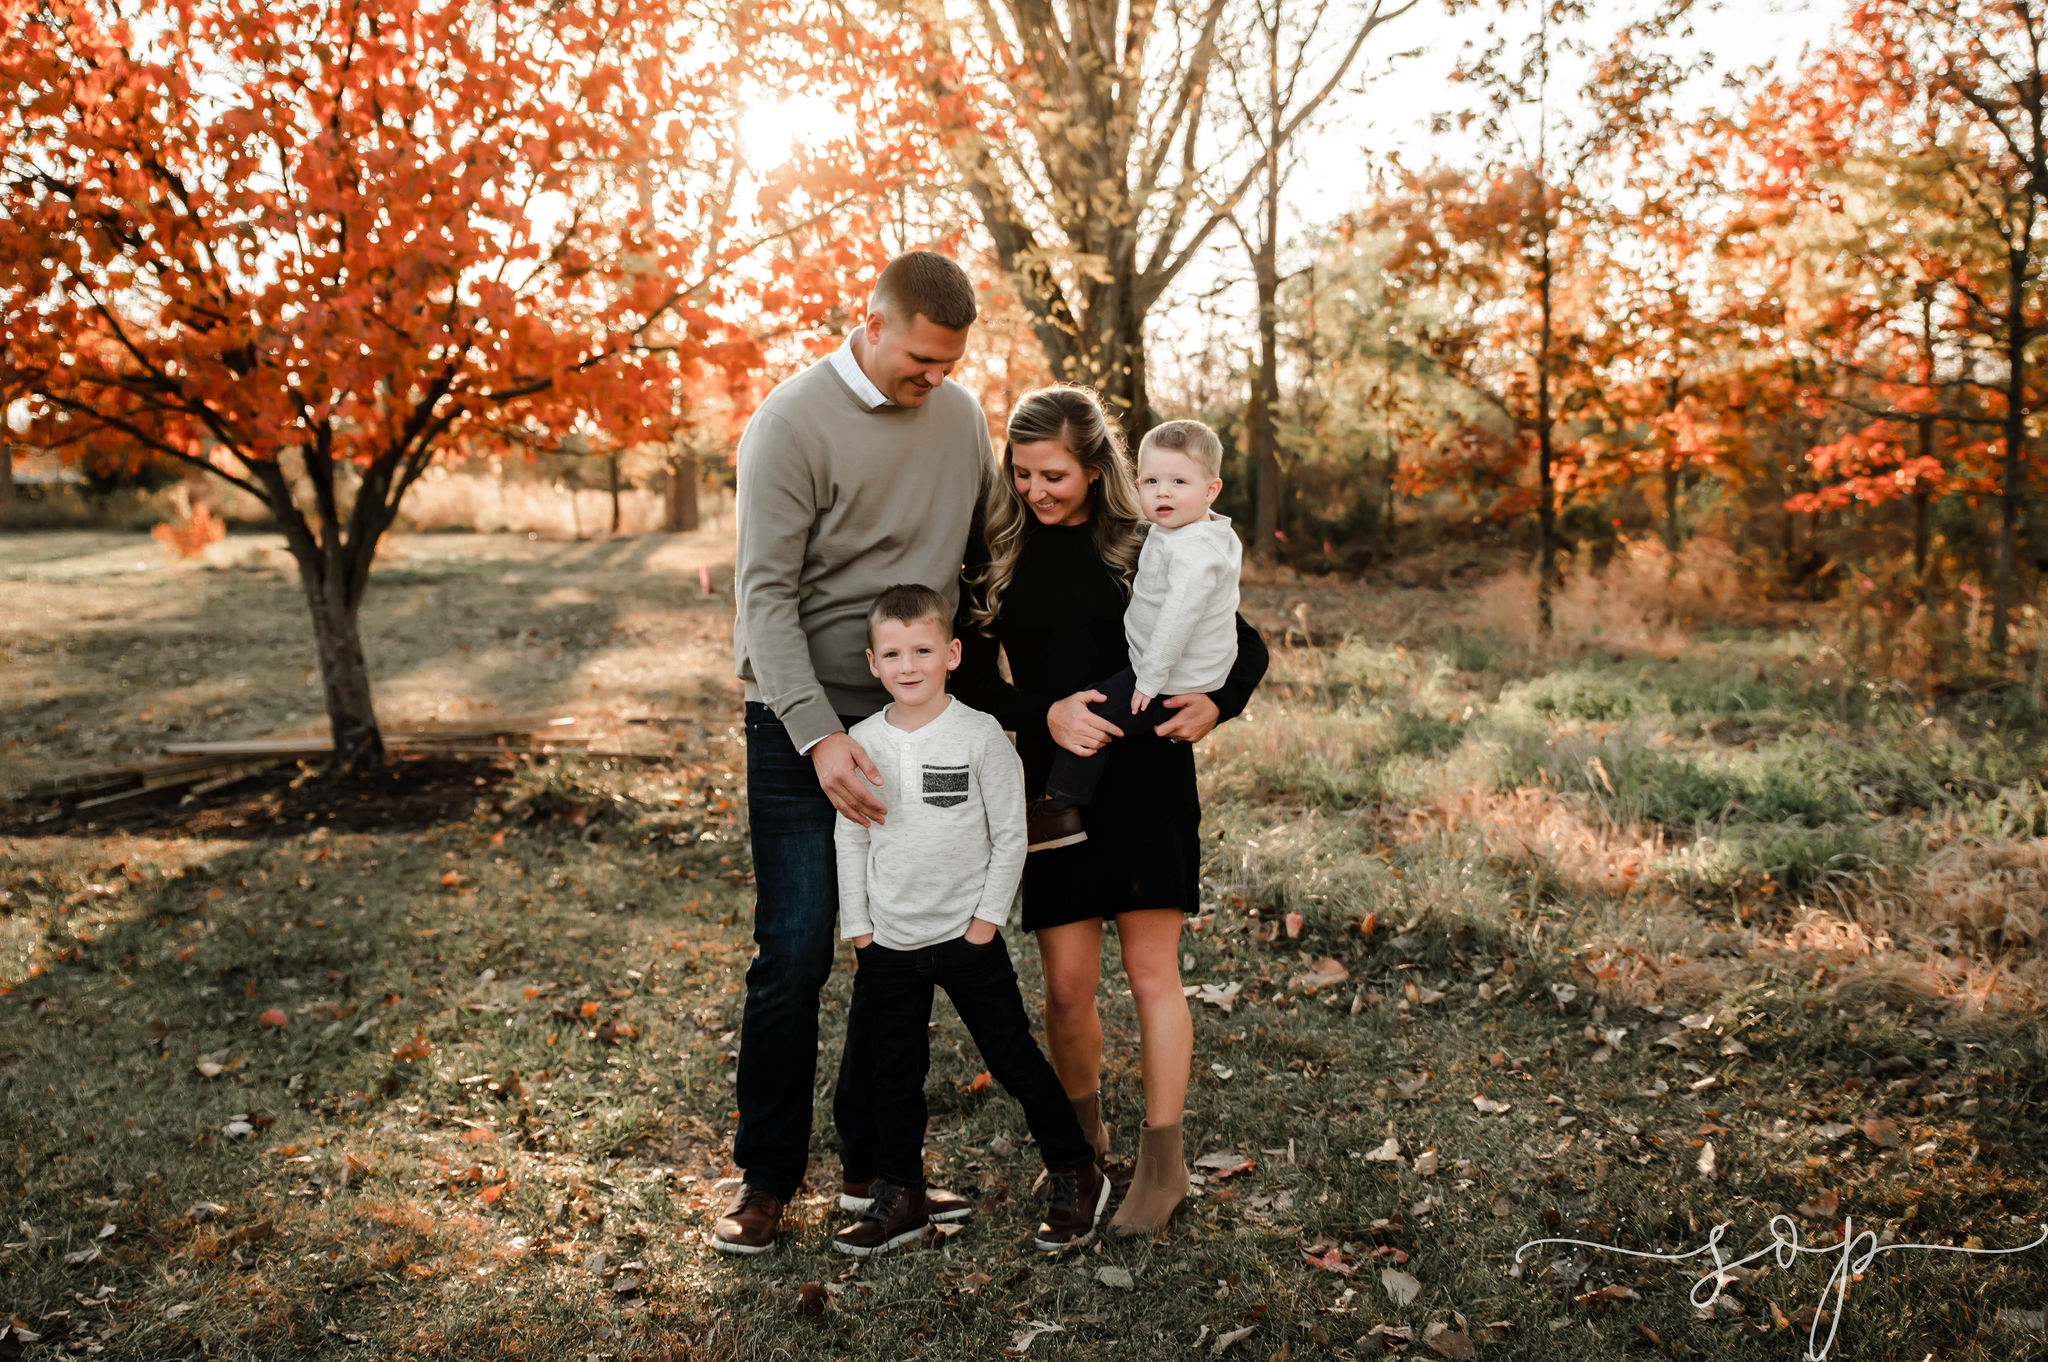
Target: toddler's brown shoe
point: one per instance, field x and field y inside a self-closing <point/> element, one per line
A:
<point x="1048" y="823"/>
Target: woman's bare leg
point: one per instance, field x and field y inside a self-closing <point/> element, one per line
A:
<point x="1071" y="956"/>
<point x="1166" y="1034"/>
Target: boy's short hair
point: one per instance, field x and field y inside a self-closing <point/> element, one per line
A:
<point x="909" y="604"/>
<point x="1191" y="438"/>
<point x="927" y="283"/>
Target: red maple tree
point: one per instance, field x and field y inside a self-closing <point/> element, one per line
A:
<point x="307" y="245"/>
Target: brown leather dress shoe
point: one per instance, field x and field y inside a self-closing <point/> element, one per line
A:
<point x="749" y="1224"/>
<point x="1074" y="1201"/>
<point x="895" y="1217"/>
<point x="1049" y="824"/>
<point x="939" y="1204"/>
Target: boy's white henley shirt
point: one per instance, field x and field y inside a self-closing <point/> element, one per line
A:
<point x="952" y="846"/>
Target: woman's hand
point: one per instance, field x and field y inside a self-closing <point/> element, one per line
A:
<point x="1193" y="717"/>
<point x="1079" y="729"/>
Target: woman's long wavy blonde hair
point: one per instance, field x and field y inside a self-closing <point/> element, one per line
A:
<point x="1074" y="416"/>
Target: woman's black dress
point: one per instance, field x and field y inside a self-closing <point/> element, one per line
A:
<point x="1062" y="626"/>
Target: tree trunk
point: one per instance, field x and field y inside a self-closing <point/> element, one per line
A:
<point x="6" y="472"/>
<point x="1546" y="509"/>
<point x="681" y="499"/>
<point x="2014" y="480"/>
<point x="1260" y="435"/>
<point x="611" y="471"/>
<point x="1672" y="538"/>
<point x="333" y="577"/>
<point x="1921" y="498"/>
<point x="345" y="683"/>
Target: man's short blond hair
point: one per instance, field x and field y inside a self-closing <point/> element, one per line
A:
<point x="1191" y="438"/>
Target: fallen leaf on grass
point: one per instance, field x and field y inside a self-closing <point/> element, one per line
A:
<point x="490" y="1194"/>
<point x="811" y="1298"/>
<point x="1832" y="1130"/>
<point x="1225" y="1164"/>
<point x="1733" y="1048"/>
<point x="1822" y="1207"/>
<point x="1697" y="1021"/>
<point x="275" y="1016"/>
<point x="1022" y="1342"/>
<point x="1882" y="1131"/>
<point x="1390" y="1152"/>
<point x="1333" y="1261"/>
<point x="454" y="879"/>
<point x="1294" y="923"/>
<point x="1321" y="974"/>
<point x="1706" y="1163"/>
<point x="1445" y="1341"/>
<point x="1488" y="1106"/>
<point x="1608" y="1295"/>
<point x="1401" y="1288"/>
<point x="1223" y="996"/>
<point x="1118" y="1277"/>
<point x="206" y="1068"/>
<point x="1425" y="1162"/>
<point x="1225" y="1341"/>
<point x="1386" y="1338"/>
<point x="978" y="1082"/>
<point x="419" y="1047"/>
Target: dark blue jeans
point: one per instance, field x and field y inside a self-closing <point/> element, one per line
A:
<point x="796" y="916"/>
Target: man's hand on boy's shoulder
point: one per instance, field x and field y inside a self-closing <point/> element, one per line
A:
<point x="849" y="778"/>
<point x="980" y="932"/>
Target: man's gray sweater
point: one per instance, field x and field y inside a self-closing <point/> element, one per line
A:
<point x="952" y="848"/>
<point x="837" y="501"/>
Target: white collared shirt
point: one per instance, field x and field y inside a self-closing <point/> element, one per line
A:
<point x="847" y="366"/>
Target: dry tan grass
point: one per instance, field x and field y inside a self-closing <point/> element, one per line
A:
<point x="1644" y="600"/>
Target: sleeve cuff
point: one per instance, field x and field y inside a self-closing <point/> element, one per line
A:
<point x="809" y="722"/>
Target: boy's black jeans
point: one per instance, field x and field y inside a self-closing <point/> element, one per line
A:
<point x="892" y="1006"/>
<point x="1073" y="779"/>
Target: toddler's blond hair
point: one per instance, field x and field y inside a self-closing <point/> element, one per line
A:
<point x="1191" y="438"/>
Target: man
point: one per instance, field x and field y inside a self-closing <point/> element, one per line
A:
<point x="861" y="472"/>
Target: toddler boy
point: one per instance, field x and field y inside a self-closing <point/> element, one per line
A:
<point x="1181" y="624"/>
<point x="923" y="896"/>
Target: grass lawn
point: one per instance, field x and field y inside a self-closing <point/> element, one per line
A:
<point x="1616" y="942"/>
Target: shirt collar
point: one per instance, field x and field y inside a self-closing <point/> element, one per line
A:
<point x="849" y="369"/>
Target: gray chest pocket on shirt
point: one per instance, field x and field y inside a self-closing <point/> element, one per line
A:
<point x="945" y="786"/>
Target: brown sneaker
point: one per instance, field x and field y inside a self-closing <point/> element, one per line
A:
<point x="894" y="1217"/>
<point x="1048" y="824"/>
<point x="1074" y="1200"/>
<point x="939" y="1204"/>
<point x="750" y="1224"/>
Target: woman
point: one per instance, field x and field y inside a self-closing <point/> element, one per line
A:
<point x="1063" y="532"/>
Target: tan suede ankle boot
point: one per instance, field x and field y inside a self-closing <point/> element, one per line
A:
<point x="1159" y="1186"/>
<point x="1088" y="1111"/>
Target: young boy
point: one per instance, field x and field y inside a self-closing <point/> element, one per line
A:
<point x="923" y="896"/>
<point x="1181" y="624"/>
